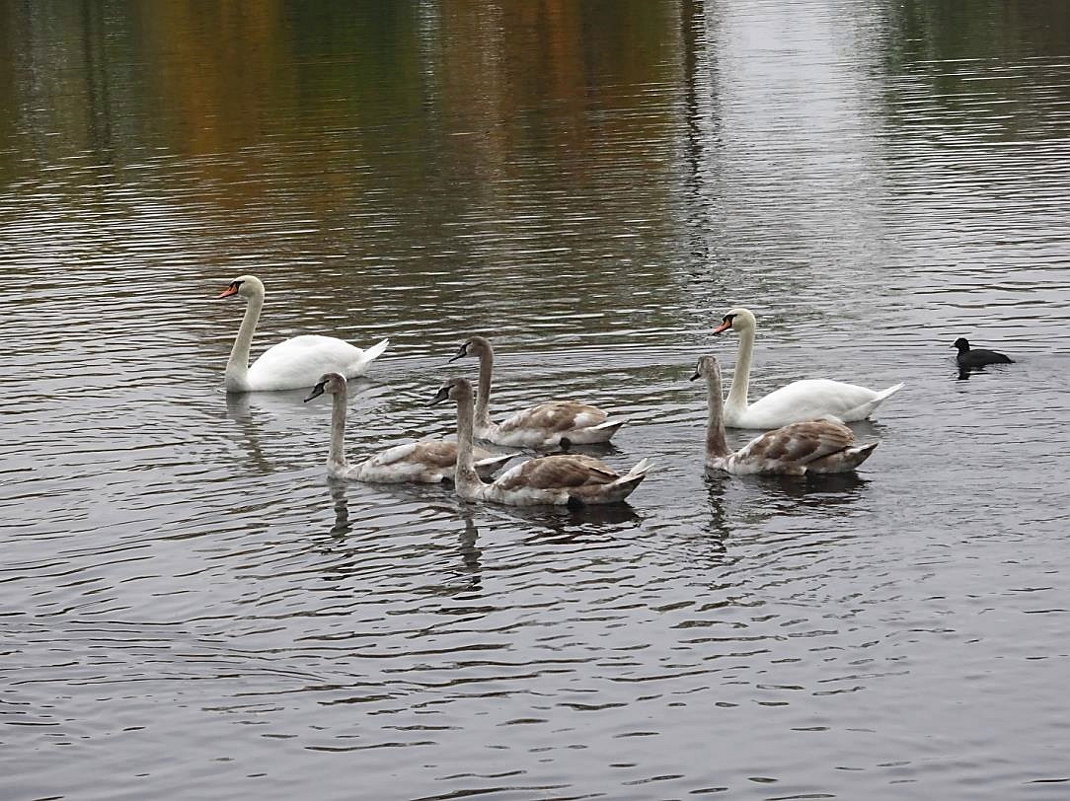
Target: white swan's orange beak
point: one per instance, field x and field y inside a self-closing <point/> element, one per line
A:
<point x="724" y="326"/>
<point x="230" y="290"/>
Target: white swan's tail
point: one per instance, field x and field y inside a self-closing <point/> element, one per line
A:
<point x="367" y="357"/>
<point x="887" y="393"/>
<point x="377" y="350"/>
<point x="864" y="410"/>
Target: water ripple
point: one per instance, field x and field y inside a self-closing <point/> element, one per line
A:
<point x="191" y="608"/>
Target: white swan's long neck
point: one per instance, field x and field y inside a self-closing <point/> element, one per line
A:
<point x="238" y="364"/>
<point x="486" y="370"/>
<point x="737" y="395"/>
<point x="716" y="443"/>
<point x="336" y="459"/>
<point x="466" y="481"/>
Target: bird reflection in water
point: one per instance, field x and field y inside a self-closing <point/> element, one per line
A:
<point x="471" y="554"/>
<point x="718" y="528"/>
<point x="567" y="524"/>
<point x="253" y="415"/>
<point x="341" y="526"/>
<point x="781" y="495"/>
<point x="354" y="549"/>
<point x="834" y="487"/>
<point x="964" y="373"/>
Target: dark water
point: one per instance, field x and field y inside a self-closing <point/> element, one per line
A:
<point x="190" y="610"/>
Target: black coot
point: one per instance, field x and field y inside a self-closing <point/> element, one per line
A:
<point x="978" y="357"/>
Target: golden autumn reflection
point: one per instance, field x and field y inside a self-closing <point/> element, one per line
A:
<point x="566" y="142"/>
<point x="407" y="116"/>
<point x="334" y="89"/>
<point x="200" y="79"/>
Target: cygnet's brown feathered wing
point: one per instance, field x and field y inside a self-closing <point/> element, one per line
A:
<point x="566" y="478"/>
<point x="815" y="446"/>
<point x="555" y="416"/>
<point x="564" y="470"/>
<point x="426" y="461"/>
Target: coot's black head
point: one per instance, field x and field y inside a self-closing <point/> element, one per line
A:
<point x="962" y="344"/>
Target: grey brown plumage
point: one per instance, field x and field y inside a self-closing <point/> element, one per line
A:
<point x="563" y="479"/>
<point x="814" y="446"/>
<point x="547" y="425"/>
<point x="428" y="461"/>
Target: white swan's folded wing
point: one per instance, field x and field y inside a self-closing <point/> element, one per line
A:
<point x="299" y="361"/>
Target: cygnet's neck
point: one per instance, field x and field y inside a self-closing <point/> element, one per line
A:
<point x="486" y="370"/>
<point x="336" y="459"/>
<point x="466" y="481"/>
<point x="716" y="442"/>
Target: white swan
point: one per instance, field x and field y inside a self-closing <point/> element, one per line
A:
<point x="547" y="425"/>
<point x="808" y="399"/>
<point x="565" y="479"/>
<point x="428" y="461"/>
<point x="815" y="446"/>
<point x="295" y="363"/>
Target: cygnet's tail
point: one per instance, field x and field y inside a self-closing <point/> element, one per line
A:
<point x="843" y="461"/>
<point x="592" y="435"/>
<point x="860" y="453"/>
<point x="487" y="467"/>
<point x="623" y="486"/>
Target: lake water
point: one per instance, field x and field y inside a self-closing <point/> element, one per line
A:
<point x="189" y="609"/>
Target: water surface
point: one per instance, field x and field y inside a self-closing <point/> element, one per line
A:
<point x="190" y="609"/>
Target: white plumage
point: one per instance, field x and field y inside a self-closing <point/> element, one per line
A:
<point x="802" y="400"/>
<point x="295" y="363"/>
